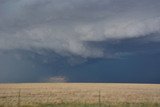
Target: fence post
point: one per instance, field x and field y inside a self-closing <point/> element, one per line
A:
<point x="99" y="100"/>
<point x="19" y="98"/>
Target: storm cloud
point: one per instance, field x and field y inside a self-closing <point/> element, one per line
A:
<point x="79" y="40"/>
<point x="65" y="27"/>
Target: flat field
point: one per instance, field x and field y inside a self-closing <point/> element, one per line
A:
<point x="98" y="94"/>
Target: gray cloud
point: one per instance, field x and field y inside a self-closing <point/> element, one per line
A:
<point x="66" y="26"/>
<point x="57" y="79"/>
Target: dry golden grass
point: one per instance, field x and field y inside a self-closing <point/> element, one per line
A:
<point x="78" y="93"/>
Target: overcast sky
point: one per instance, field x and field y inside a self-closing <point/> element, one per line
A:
<point x="80" y="41"/>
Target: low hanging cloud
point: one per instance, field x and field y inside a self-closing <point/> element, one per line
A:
<point x="57" y="79"/>
<point x="66" y="26"/>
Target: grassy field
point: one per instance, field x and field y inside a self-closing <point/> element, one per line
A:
<point x="79" y="95"/>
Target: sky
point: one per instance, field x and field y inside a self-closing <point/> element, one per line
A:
<point x="80" y="41"/>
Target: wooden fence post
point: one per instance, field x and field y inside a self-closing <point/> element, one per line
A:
<point x="99" y="98"/>
<point x="19" y="98"/>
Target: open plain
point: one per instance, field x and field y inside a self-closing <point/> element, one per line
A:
<point x="78" y="93"/>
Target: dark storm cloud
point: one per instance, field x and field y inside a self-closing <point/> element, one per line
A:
<point x="66" y="26"/>
<point x="28" y="66"/>
<point x="45" y="39"/>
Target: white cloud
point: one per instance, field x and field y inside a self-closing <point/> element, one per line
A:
<point x="66" y="26"/>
